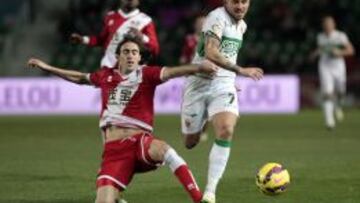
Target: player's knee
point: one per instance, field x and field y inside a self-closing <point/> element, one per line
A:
<point x="192" y="140"/>
<point x="158" y="149"/>
<point x="225" y="131"/>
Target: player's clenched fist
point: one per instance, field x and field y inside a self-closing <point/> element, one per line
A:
<point x="252" y="72"/>
<point x="76" y="38"/>
<point x="208" y="67"/>
<point x="133" y="32"/>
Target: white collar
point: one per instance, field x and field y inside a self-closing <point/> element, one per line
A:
<point x="126" y="76"/>
<point x="332" y="33"/>
<point x="129" y="15"/>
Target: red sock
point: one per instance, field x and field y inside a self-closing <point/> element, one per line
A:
<point x="186" y="178"/>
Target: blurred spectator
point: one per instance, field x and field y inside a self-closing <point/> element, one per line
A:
<point x="128" y="20"/>
<point x="212" y="4"/>
<point x="191" y="40"/>
<point x="279" y="34"/>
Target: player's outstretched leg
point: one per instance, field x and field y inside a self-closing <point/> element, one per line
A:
<point x="339" y="113"/>
<point x="224" y="124"/>
<point x="329" y="109"/>
<point x="160" y="151"/>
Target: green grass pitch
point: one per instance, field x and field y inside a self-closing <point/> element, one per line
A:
<point x="55" y="160"/>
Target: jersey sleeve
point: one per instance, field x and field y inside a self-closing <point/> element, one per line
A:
<point x="344" y="39"/>
<point x="153" y="74"/>
<point x="150" y="39"/>
<point x="96" y="78"/>
<point x="244" y="27"/>
<point x="214" y="24"/>
<point x="99" y="40"/>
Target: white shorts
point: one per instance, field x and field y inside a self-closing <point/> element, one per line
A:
<point x="332" y="79"/>
<point x="203" y="98"/>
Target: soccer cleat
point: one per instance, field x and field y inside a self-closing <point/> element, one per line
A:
<point x="339" y="114"/>
<point x="208" y="198"/>
<point x="122" y="201"/>
<point x="330" y="127"/>
<point x="204" y="137"/>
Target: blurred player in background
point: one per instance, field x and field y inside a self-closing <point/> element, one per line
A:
<point x="128" y="20"/>
<point x="130" y="147"/>
<point x="191" y="40"/>
<point x="188" y="52"/>
<point x="215" y="98"/>
<point x="333" y="46"/>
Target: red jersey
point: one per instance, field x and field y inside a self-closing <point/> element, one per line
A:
<point x="116" y="25"/>
<point x="127" y="101"/>
<point x="189" y="48"/>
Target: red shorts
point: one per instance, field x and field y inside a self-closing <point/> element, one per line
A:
<point x="123" y="158"/>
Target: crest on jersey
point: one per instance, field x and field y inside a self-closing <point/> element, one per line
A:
<point x="216" y="29"/>
<point x="111" y="22"/>
<point x="109" y="79"/>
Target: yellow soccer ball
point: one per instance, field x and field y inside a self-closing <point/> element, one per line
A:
<point x="272" y="179"/>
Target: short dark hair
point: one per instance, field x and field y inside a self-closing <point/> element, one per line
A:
<point x="144" y="52"/>
<point x="328" y="15"/>
<point x="202" y="14"/>
<point x="135" y="40"/>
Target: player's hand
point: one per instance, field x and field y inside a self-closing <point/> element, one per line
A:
<point x="36" y="63"/>
<point x="336" y="52"/>
<point x="76" y="38"/>
<point x="312" y="57"/>
<point x="133" y="32"/>
<point x="252" y="72"/>
<point x="207" y="67"/>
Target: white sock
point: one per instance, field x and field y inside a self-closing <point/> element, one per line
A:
<point x="173" y="160"/>
<point x="218" y="158"/>
<point x="329" y="113"/>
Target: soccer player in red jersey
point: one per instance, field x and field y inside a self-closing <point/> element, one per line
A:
<point x="127" y="119"/>
<point x="128" y="20"/>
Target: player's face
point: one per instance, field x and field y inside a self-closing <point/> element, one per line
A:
<point x="130" y="4"/>
<point x="329" y="24"/>
<point x="237" y="8"/>
<point x="129" y="57"/>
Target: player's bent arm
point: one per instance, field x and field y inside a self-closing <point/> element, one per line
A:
<point x="69" y="75"/>
<point x="349" y="50"/>
<point x="212" y="53"/>
<point x="178" y="71"/>
<point x="314" y="54"/>
<point x="172" y="72"/>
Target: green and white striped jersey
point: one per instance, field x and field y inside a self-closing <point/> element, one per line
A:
<point x="229" y="31"/>
<point x="327" y="43"/>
